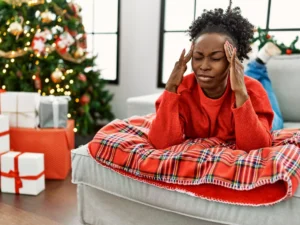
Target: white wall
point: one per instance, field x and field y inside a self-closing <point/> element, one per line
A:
<point x="139" y="45"/>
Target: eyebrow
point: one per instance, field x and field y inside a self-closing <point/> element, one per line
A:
<point x="213" y="53"/>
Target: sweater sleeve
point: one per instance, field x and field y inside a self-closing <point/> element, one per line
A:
<point x="253" y="122"/>
<point x="167" y="127"/>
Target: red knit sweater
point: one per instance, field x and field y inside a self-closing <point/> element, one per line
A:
<point x="190" y="114"/>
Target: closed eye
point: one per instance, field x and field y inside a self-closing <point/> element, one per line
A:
<point x="217" y="59"/>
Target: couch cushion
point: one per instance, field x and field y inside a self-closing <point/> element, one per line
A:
<point x="284" y="72"/>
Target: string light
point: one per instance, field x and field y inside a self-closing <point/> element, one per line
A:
<point x="52" y="91"/>
<point x="8" y="22"/>
<point x="39" y="91"/>
<point x="57" y="86"/>
<point x="4" y="34"/>
<point x="75" y="129"/>
<point x="53" y="45"/>
<point x="4" y="70"/>
<point x="28" y="43"/>
<point x="62" y="90"/>
<point x="33" y="77"/>
<point x="31" y="55"/>
<point x="63" y="77"/>
<point x="59" y="19"/>
<point x="6" y="66"/>
<point x="69" y="115"/>
<point x="0" y="40"/>
<point x="12" y="60"/>
<point x="32" y="30"/>
<point x="44" y="94"/>
<point x="47" y="80"/>
<point x="67" y="86"/>
<point x="27" y="22"/>
<point x="28" y="35"/>
<point x="38" y="54"/>
<point x="37" y="62"/>
<point x="77" y="100"/>
<point x="25" y="49"/>
<point x="3" y="87"/>
<point x="71" y="81"/>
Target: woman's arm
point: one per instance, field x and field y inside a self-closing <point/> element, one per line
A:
<point x="167" y="128"/>
<point x="253" y="122"/>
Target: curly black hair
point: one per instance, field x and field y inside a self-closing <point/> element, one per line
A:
<point x="230" y="23"/>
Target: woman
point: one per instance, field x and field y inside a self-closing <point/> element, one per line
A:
<point x="216" y="100"/>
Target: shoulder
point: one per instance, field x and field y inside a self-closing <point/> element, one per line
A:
<point x="254" y="87"/>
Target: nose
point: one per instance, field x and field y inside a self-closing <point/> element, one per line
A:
<point x="205" y="65"/>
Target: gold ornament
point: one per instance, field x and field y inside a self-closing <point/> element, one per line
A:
<point x="16" y="28"/>
<point x="56" y="76"/>
<point x="20" y="2"/>
<point x="79" y="53"/>
<point x="47" y="17"/>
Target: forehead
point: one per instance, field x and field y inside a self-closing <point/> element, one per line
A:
<point x="210" y="41"/>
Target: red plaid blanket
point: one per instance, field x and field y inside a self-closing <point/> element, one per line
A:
<point x="203" y="167"/>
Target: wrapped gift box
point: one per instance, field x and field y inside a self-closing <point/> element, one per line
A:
<point x="22" y="173"/>
<point x="53" y="111"/>
<point x="56" y="144"/>
<point x="21" y="108"/>
<point x="4" y="134"/>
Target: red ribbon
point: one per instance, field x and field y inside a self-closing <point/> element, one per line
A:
<point x="4" y="133"/>
<point x="15" y="174"/>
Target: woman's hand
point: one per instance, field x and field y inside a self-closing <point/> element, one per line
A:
<point x="236" y="75"/>
<point x="179" y="69"/>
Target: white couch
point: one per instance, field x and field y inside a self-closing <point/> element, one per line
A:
<point x="108" y="198"/>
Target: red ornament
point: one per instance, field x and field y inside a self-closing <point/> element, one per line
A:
<point x="38" y="83"/>
<point x="288" y="51"/>
<point x="268" y="36"/>
<point x="85" y="99"/>
<point x="2" y="90"/>
<point x="82" y="77"/>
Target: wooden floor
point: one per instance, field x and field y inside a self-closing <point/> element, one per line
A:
<point x="57" y="205"/>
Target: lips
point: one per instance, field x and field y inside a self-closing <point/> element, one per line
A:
<point x="204" y="78"/>
<point x="204" y="75"/>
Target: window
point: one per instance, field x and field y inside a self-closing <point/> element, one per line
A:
<point x="177" y="15"/>
<point x="101" y="21"/>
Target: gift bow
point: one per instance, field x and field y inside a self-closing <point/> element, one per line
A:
<point x="16" y="175"/>
<point x="4" y="133"/>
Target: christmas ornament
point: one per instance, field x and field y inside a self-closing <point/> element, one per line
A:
<point x="75" y="8"/>
<point x="38" y="83"/>
<point x="63" y="42"/>
<point x="85" y="99"/>
<point x="47" y="17"/>
<point x="288" y="51"/>
<point x="268" y="36"/>
<point x="16" y="28"/>
<point x="79" y="53"/>
<point x="39" y="41"/>
<point x="56" y="76"/>
<point x="82" y="77"/>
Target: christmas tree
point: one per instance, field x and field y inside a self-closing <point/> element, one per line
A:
<point x="43" y="49"/>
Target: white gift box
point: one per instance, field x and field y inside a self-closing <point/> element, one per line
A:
<point x="4" y="134"/>
<point x="21" y="108"/>
<point x="22" y="173"/>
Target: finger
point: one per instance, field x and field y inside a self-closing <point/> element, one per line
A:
<point x="181" y="58"/>
<point x="189" y="55"/>
<point x="233" y="60"/>
<point x="227" y="52"/>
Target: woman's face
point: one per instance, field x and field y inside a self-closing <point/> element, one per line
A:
<point x="209" y="62"/>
